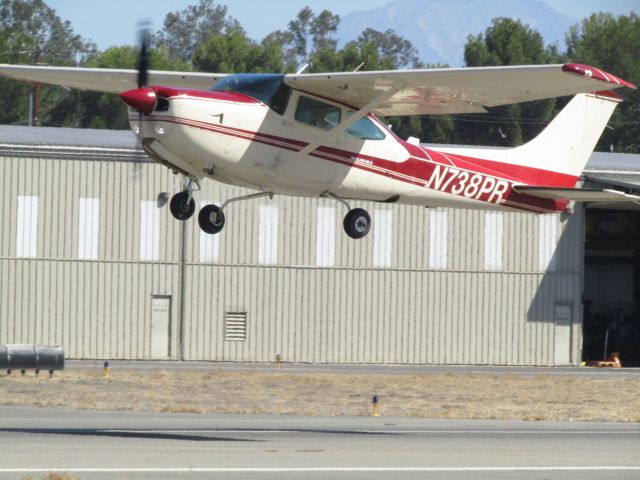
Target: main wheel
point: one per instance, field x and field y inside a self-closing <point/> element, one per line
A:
<point x="211" y="219"/>
<point x="181" y="206"/>
<point x="357" y="223"/>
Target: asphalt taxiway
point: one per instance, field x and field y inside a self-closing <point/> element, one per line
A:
<point x="96" y="445"/>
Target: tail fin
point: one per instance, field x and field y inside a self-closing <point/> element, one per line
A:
<point x="558" y="155"/>
<point x="566" y="144"/>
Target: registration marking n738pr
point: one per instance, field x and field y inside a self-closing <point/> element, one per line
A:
<point x="468" y="184"/>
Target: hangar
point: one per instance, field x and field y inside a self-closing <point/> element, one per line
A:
<point x="91" y="259"/>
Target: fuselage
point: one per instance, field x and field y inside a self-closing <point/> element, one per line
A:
<point x="270" y="137"/>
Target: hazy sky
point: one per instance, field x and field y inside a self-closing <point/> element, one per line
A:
<point x="114" y="22"/>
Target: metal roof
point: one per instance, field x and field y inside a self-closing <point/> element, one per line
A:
<point x="68" y="137"/>
<point x="613" y="162"/>
<point x="71" y="142"/>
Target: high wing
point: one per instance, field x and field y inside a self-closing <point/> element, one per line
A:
<point x="107" y="79"/>
<point x="388" y="92"/>
<point x="454" y="90"/>
<point x="577" y="194"/>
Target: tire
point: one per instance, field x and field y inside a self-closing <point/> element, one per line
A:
<point x="357" y="223"/>
<point x="211" y="219"/>
<point x="181" y="207"/>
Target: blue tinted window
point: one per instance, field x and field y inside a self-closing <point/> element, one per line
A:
<point x="365" y="129"/>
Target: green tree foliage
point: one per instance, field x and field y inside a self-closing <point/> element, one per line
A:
<point x="386" y="50"/>
<point x="506" y="42"/>
<point x="184" y="31"/>
<point x="612" y="44"/>
<point x="307" y="35"/>
<point x="31" y="32"/>
<point x="234" y="52"/>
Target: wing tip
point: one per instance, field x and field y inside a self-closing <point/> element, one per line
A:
<point x="592" y="72"/>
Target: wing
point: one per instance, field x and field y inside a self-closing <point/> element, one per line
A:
<point x="577" y="194"/>
<point x="455" y="90"/>
<point x="106" y="79"/>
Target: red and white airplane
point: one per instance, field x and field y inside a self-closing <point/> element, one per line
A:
<point x="318" y="135"/>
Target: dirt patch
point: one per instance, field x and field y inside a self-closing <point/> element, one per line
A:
<point x="481" y="396"/>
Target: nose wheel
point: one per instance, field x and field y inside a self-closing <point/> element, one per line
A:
<point x="182" y="205"/>
<point x="211" y="219"/>
<point x="357" y="223"/>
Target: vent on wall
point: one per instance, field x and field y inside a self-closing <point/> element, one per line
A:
<point x="235" y="326"/>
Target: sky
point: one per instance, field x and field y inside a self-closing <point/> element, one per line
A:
<point x="114" y="22"/>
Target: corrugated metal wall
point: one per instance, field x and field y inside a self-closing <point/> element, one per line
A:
<point x="426" y="286"/>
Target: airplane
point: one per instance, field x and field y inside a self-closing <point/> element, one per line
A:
<point x="319" y="135"/>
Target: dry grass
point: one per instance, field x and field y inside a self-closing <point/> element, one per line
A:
<point x="279" y="392"/>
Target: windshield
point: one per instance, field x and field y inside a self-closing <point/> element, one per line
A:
<point x="270" y="89"/>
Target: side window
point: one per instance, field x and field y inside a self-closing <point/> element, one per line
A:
<point x="365" y="129"/>
<point x="317" y="114"/>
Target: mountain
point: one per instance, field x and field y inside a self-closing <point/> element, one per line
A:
<point x="439" y="28"/>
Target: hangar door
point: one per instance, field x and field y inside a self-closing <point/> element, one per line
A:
<point x="612" y="284"/>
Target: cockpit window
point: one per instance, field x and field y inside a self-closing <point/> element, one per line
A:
<point x="365" y="129"/>
<point x="316" y="113"/>
<point x="269" y="89"/>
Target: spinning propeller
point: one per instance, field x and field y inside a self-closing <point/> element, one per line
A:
<point x="143" y="99"/>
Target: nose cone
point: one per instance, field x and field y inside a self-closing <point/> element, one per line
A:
<point x="141" y="99"/>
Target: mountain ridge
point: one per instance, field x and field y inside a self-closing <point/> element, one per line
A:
<point x="438" y="29"/>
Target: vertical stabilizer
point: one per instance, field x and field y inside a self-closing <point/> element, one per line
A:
<point x="558" y="155"/>
<point x="566" y="144"/>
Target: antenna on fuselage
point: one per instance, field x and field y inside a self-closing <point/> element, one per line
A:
<point x="304" y="67"/>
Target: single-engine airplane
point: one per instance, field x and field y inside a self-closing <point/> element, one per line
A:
<point x="318" y="134"/>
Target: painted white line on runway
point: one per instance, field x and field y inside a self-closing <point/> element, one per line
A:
<point x="318" y="469"/>
<point x="373" y="432"/>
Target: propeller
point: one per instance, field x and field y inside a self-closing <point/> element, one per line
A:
<point x="143" y="58"/>
<point x="143" y="99"/>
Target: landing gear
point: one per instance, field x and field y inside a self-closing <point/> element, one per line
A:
<point x="211" y="219"/>
<point x="357" y="223"/>
<point x="182" y="205"/>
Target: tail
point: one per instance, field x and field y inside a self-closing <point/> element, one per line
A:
<point x="558" y="155"/>
<point x="566" y="144"/>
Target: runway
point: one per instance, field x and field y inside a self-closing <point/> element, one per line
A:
<point x="109" y="445"/>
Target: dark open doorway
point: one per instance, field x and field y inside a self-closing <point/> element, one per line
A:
<point x="612" y="285"/>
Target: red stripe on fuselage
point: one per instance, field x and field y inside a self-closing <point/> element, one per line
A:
<point x="424" y="167"/>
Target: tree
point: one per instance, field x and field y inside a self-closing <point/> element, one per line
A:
<point x="184" y="31"/>
<point x="31" y="32"/>
<point x="307" y="34"/>
<point x="506" y="42"/>
<point x="611" y="44"/>
<point x="234" y="52"/>
<point x="391" y="50"/>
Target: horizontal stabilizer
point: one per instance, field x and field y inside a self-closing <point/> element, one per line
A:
<point x="577" y="194"/>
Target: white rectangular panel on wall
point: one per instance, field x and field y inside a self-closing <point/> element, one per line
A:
<point x="27" y="226"/>
<point x="438" y="239"/>
<point x="88" y="228"/>
<point x="268" y="235"/>
<point x="547" y="242"/>
<point x="209" y="244"/>
<point x="326" y="236"/>
<point x="493" y="235"/>
<point x="149" y="230"/>
<point x="382" y="237"/>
